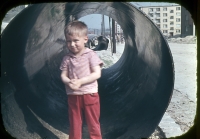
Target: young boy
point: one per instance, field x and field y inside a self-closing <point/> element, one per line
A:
<point x="81" y="68"/>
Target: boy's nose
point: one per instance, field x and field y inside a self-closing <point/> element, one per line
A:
<point x="72" y="44"/>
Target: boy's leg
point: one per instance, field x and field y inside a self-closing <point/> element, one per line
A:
<point x="75" y="104"/>
<point x="92" y="114"/>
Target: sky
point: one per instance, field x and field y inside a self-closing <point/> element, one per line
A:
<point x="94" y="20"/>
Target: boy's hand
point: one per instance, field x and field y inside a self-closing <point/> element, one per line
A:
<point x="74" y="84"/>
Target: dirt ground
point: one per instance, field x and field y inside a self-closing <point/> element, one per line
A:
<point x="183" y="105"/>
<point x="182" y="110"/>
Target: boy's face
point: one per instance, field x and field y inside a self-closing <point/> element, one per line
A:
<point x="76" y="43"/>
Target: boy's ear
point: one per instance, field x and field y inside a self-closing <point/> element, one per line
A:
<point x="86" y="38"/>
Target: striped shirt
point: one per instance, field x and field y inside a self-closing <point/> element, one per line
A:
<point x="80" y="66"/>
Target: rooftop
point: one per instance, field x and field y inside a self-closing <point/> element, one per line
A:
<point x="160" y="6"/>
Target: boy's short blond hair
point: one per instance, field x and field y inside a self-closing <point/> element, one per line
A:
<point x="76" y="28"/>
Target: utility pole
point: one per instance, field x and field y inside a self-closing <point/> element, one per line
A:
<point x="111" y="42"/>
<point x="103" y="26"/>
<point x="113" y="36"/>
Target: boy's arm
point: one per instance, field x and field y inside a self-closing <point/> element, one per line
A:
<point x="67" y="81"/>
<point x="96" y="74"/>
<point x="64" y="77"/>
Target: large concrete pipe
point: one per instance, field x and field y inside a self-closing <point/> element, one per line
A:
<point x="134" y="92"/>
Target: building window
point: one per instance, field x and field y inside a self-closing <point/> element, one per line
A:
<point x="178" y="8"/>
<point x="157" y="14"/>
<point x="178" y="20"/>
<point x="158" y="25"/>
<point x="164" y="14"/>
<point x="151" y="15"/>
<point x="171" y="11"/>
<point x="171" y="28"/>
<point x="164" y="25"/>
<point x="157" y="20"/>
<point x="164" y="8"/>
<point x="178" y="25"/>
<point x="164" y="20"/>
<point x="165" y="31"/>
<point x="171" y="17"/>
<point x="171" y="23"/>
<point x="178" y="31"/>
<point x="157" y="9"/>
<point x="178" y="14"/>
<point x="150" y="9"/>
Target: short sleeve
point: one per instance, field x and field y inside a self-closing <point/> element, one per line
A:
<point x="95" y="60"/>
<point x="63" y="65"/>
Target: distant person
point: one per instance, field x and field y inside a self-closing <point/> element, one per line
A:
<point x="118" y="38"/>
<point x="122" y="39"/>
<point x="81" y="68"/>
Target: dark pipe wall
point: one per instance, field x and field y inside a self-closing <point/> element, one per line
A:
<point x="134" y="92"/>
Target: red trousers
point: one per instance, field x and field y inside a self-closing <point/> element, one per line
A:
<point x="89" y="106"/>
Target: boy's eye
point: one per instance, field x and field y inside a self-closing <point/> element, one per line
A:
<point x="68" y="41"/>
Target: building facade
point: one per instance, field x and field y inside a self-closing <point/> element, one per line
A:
<point x="170" y="19"/>
<point x="187" y="24"/>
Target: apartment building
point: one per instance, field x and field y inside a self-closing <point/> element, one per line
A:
<point x="169" y="19"/>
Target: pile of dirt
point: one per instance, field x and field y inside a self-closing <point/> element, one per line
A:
<point x="157" y="134"/>
<point x="108" y="57"/>
<point x="180" y="109"/>
<point x="185" y="40"/>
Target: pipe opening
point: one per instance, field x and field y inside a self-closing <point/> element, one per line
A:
<point x="98" y="26"/>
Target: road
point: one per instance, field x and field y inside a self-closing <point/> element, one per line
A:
<point x="184" y="56"/>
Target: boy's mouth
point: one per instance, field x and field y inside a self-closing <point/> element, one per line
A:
<point x="73" y="47"/>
